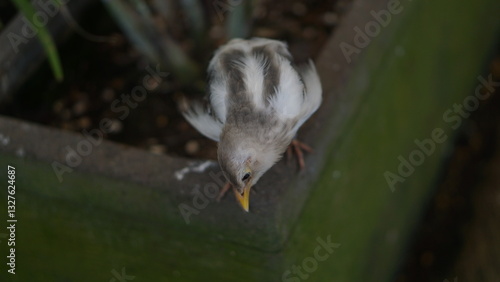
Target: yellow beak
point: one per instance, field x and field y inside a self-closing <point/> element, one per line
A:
<point x="244" y="199"/>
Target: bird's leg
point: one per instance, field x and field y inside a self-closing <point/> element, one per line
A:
<point x="223" y="191"/>
<point x="298" y="147"/>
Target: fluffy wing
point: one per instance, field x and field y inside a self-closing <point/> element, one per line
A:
<point x="298" y="94"/>
<point x="203" y="119"/>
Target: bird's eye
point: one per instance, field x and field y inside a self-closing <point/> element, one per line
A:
<point x="246" y="176"/>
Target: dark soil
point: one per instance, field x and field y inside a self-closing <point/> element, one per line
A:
<point x="98" y="74"/>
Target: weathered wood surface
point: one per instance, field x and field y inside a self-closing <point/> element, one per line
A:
<point x="119" y="208"/>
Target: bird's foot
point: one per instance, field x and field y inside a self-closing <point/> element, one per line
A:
<point x="298" y="148"/>
<point x="223" y="191"/>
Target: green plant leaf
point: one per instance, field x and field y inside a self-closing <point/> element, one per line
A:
<point x="238" y="24"/>
<point x="44" y="36"/>
<point x="137" y="21"/>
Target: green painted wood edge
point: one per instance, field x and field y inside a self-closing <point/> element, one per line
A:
<point x="223" y="220"/>
<point x="76" y="238"/>
<point x="426" y="60"/>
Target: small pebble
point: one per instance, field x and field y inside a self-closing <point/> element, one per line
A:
<point x="58" y="106"/>
<point x="192" y="147"/>
<point x="161" y="121"/>
<point x="157" y="149"/>
<point x="259" y="12"/>
<point x="151" y="84"/>
<point x="84" y="122"/>
<point x="68" y="126"/>
<point x="80" y="107"/>
<point x="310" y="32"/>
<point x="117" y="83"/>
<point x="116" y="126"/>
<point x="299" y="9"/>
<point x="151" y="141"/>
<point x="183" y="126"/>
<point x="330" y="18"/>
<point x="265" y="32"/>
<point x="108" y="94"/>
<point x="65" y="114"/>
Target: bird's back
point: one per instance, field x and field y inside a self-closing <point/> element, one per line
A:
<point x="255" y="80"/>
<point x="246" y="73"/>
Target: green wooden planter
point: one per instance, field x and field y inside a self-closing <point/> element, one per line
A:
<point x="121" y="213"/>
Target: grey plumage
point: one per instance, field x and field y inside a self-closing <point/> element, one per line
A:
<point x="257" y="100"/>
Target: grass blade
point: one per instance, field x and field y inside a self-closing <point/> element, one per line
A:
<point x="44" y="36"/>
